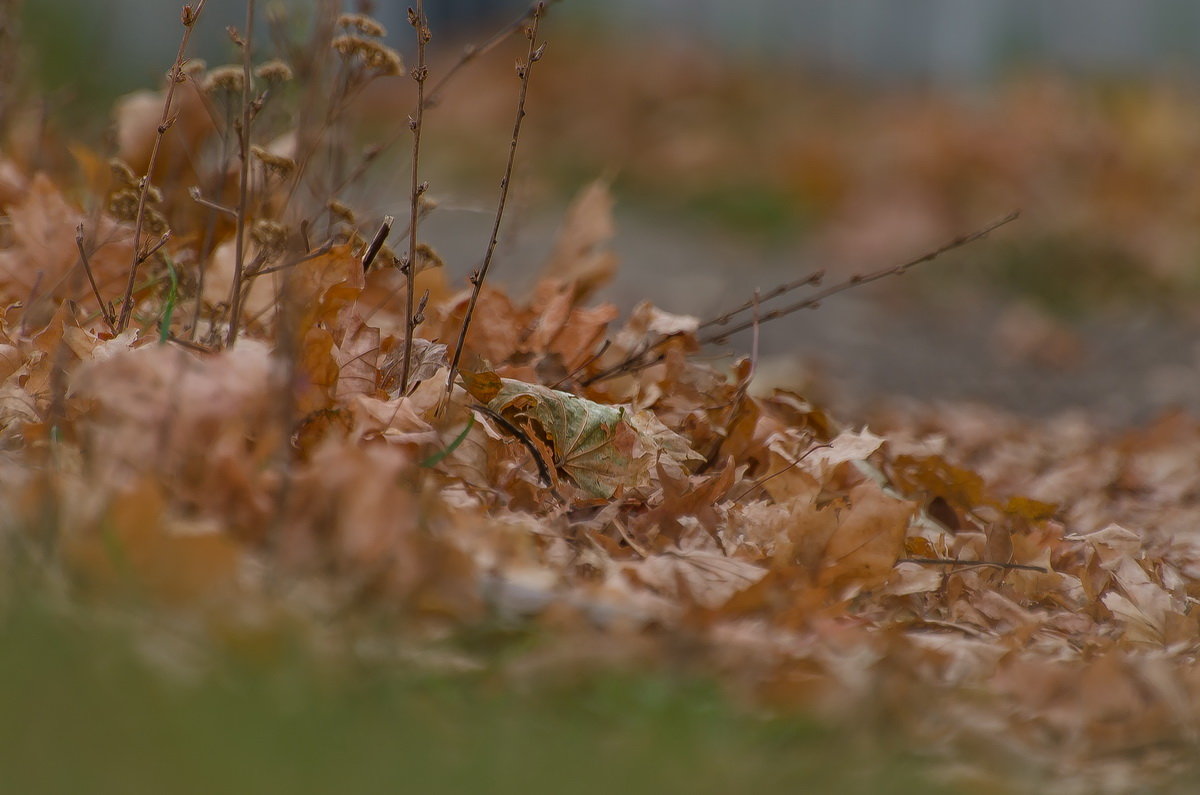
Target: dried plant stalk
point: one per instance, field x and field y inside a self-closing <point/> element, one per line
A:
<point x="87" y="268"/>
<point x="188" y="16"/>
<point x="533" y="55"/>
<point x="239" y="255"/>
<point x="433" y="96"/>
<point x="420" y="74"/>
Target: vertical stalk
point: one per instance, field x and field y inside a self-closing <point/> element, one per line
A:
<point x="188" y="17"/>
<point x="523" y="71"/>
<point x="239" y="256"/>
<point x="419" y="74"/>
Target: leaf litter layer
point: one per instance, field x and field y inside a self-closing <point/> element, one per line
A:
<point x="248" y="442"/>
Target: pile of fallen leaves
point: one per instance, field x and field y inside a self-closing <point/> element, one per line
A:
<point x="1001" y="591"/>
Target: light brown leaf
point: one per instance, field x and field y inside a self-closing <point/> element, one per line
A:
<point x="355" y="358"/>
<point x="868" y="540"/>
<point x="581" y="254"/>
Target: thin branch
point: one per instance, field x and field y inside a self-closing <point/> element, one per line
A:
<point x="470" y="53"/>
<point x="87" y="268"/>
<point x="524" y="70"/>
<point x="854" y="281"/>
<point x="150" y="252"/>
<point x="811" y="279"/>
<point x="992" y="563"/>
<point x="324" y="248"/>
<point x="189" y="344"/>
<point x="420" y="74"/>
<point x="198" y="197"/>
<point x="758" y="483"/>
<point x="188" y="17"/>
<point x="637" y="361"/>
<point x="583" y="365"/>
<point x="475" y="51"/>
<point x="239" y="255"/>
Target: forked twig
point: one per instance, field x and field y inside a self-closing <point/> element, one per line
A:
<point x="188" y="16"/>
<point x="524" y="70"/>
<point x="854" y="281"/>
<point x="638" y="359"/>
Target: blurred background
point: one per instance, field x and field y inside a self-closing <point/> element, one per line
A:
<point x="749" y="143"/>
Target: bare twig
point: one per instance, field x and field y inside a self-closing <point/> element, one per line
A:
<point x="470" y="53"/>
<point x="758" y="483"/>
<point x="534" y="54"/>
<point x="638" y="361"/>
<point x="583" y="365"/>
<point x="150" y="252"/>
<point x="188" y="16"/>
<point x="198" y="197"/>
<point x="87" y="268"/>
<point x="757" y="300"/>
<point x="324" y="248"/>
<point x="239" y="255"/>
<point x="992" y="563"/>
<point x="420" y="74"/>
<point x="189" y="344"/>
<point x="856" y="280"/>
<point x="475" y="51"/>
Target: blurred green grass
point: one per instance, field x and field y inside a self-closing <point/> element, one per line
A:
<point x="82" y="713"/>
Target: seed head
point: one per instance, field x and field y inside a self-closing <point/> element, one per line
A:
<point x="274" y="71"/>
<point x="363" y="24"/>
<point x="224" y="79"/>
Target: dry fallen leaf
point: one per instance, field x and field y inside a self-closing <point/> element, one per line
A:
<point x="601" y="448"/>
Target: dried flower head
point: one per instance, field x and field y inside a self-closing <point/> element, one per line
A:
<point x="154" y="221"/>
<point x="375" y="56"/>
<point x="363" y="24"/>
<point x="270" y="237"/>
<point x="228" y="79"/>
<point x="274" y="71"/>
<point x="341" y="212"/>
<point x="122" y="174"/>
<point x="194" y="68"/>
<point x="280" y="166"/>
<point x="123" y="204"/>
<point x="427" y="258"/>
